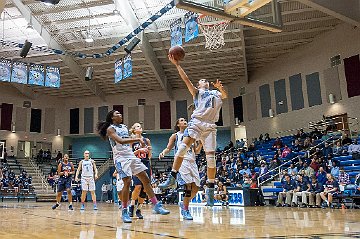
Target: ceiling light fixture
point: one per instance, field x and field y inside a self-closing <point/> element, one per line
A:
<point x="29" y="27"/>
<point x="50" y="2"/>
<point x="89" y="38"/>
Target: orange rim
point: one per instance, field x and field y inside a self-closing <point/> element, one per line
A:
<point x="201" y="16"/>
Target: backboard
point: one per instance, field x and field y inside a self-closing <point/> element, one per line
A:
<point x="263" y="14"/>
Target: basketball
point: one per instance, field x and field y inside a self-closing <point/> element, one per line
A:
<point x="177" y="52"/>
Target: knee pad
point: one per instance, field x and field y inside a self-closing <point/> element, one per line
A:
<point x="181" y="151"/>
<point x="211" y="162"/>
<point x="142" y="193"/>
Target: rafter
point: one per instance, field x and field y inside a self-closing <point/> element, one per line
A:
<point x="75" y="68"/>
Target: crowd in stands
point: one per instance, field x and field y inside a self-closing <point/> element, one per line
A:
<point x="8" y="179"/>
<point x="312" y="170"/>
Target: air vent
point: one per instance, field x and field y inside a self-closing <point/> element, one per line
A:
<point x="242" y="91"/>
<point x="335" y="61"/>
<point x="141" y="102"/>
<point x="27" y="104"/>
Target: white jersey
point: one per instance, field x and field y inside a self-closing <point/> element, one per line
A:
<point x="207" y="105"/>
<point x="121" y="150"/>
<point x="87" y="168"/>
<point x="190" y="154"/>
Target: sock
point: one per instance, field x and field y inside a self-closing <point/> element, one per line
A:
<point x="153" y="200"/>
<point x="186" y="207"/>
<point x="94" y="203"/>
<point x="124" y="205"/>
<point x="173" y="173"/>
<point x="211" y="180"/>
<point x="82" y="204"/>
<point x="70" y="203"/>
<point x="211" y="185"/>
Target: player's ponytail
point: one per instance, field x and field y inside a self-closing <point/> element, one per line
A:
<point x="102" y="126"/>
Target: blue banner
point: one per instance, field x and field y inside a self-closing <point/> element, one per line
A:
<point x="127" y="66"/>
<point x="5" y="70"/>
<point x="118" y="71"/>
<point x="176" y="33"/>
<point x="191" y="26"/>
<point x="52" y="78"/>
<point x="36" y="74"/>
<point x="19" y="72"/>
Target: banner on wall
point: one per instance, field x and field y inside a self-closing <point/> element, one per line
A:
<point x="127" y="66"/>
<point x="19" y="72"/>
<point x="2" y="150"/>
<point x="36" y="74"/>
<point x="176" y="33"/>
<point x="5" y="70"/>
<point x="118" y="70"/>
<point x="236" y="198"/>
<point x="191" y="26"/>
<point x="52" y="78"/>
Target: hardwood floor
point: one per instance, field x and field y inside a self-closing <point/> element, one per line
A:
<point x="38" y="220"/>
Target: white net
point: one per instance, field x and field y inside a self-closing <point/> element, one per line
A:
<point x="214" y="33"/>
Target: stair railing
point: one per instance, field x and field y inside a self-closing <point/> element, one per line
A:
<point x="278" y="168"/>
<point x="39" y="174"/>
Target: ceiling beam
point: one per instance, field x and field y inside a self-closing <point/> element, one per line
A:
<point x="128" y="14"/>
<point x="341" y="9"/>
<point x="78" y="71"/>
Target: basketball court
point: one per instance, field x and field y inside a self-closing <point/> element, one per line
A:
<point x="29" y="220"/>
<point x="65" y="64"/>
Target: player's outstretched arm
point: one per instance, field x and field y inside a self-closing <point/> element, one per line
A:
<point x="183" y="76"/>
<point x="170" y="145"/>
<point x="218" y="85"/>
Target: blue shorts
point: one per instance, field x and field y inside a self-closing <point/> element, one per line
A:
<point x="64" y="183"/>
<point x="135" y="179"/>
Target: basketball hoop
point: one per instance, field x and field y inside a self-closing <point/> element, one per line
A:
<point x="213" y="32"/>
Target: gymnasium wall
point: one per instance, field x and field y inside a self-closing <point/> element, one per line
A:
<point x="309" y="79"/>
<point x="51" y="119"/>
<point x="149" y="114"/>
<point x="100" y="148"/>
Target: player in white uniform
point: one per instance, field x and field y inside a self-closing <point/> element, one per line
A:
<point x="89" y="174"/>
<point x="126" y="163"/>
<point x="119" y="186"/>
<point x="201" y="127"/>
<point x="188" y="175"/>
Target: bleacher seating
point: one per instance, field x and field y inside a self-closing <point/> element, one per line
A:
<point x="352" y="167"/>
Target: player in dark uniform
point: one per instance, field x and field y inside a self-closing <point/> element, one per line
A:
<point x="65" y="172"/>
<point x="143" y="152"/>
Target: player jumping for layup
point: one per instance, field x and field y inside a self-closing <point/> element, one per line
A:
<point x="188" y="175"/>
<point x="126" y="163"/>
<point x="201" y="127"/>
<point x="89" y="174"/>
